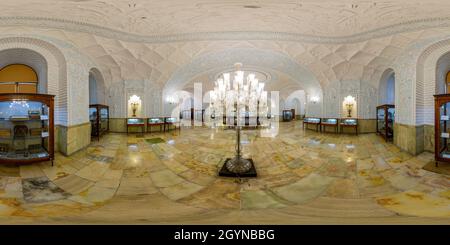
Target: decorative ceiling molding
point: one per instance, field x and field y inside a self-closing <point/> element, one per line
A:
<point x="42" y="22"/>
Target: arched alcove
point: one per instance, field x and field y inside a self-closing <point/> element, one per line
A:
<point x="386" y="89"/>
<point x="19" y="65"/>
<point x="96" y="87"/>
<point x="296" y="100"/>
<point x="442" y="71"/>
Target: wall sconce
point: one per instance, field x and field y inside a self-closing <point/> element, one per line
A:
<point x="314" y="99"/>
<point x="349" y="102"/>
<point x="171" y="100"/>
<point x="134" y="102"/>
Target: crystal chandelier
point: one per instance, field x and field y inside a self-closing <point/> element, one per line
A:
<point x="238" y="100"/>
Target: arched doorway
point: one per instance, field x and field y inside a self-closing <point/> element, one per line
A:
<point x="96" y="87"/>
<point x="386" y="90"/>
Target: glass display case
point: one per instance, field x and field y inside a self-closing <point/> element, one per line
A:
<point x="135" y="123"/>
<point x="385" y="121"/>
<point x="153" y="122"/>
<point x="99" y="117"/>
<point x="442" y="128"/>
<point x="171" y="123"/>
<point x="349" y="123"/>
<point x="26" y="128"/>
<point x="312" y="121"/>
<point x="329" y="122"/>
<point x="288" y="115"/>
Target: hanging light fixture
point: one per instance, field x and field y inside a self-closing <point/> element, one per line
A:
<point x="238" y="99"/>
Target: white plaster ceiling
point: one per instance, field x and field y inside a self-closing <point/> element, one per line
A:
<point x="170" y="17"/>
<point x="120" y="60"/>
<point x="350" y="53"/>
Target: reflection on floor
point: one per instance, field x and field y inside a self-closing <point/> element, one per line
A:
<point x="304" y="177"/>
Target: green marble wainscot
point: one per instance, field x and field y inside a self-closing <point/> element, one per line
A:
<point x="428" y="137"/>
<point x="71" y="139"/>
<point x="118" y="125"/>
<point x="409" y="137"/>
<point x="364" y="126"/>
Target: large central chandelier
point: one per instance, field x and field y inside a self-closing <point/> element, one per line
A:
<point x="238" y="102"/>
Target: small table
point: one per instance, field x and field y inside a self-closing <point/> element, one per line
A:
<point x="171" y="121"/>
<point x="313" y="121"/>
<point x="136" y="122"/>
<point x="155" y="121"/>
<point x="349" y="123"/>
<point x="329" y="122"/>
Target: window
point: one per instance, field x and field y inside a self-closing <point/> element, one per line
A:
<point x="18" y="78"/>
<point x="447" y="82"/>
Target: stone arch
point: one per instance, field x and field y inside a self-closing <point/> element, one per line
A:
<point x="296" y="100"/>
<point x="30" y="58"/>
<point x="56" y="70"/>
<point x="386" y="87"/>
<point x="427" y="80"/>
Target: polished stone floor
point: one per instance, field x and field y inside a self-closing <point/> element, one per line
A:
<point x="304" y="177"/>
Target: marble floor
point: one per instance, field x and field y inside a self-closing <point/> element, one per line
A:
<point x="304" y="178"/>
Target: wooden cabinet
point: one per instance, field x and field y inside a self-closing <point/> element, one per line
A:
<point x="442" y="128"/>
<point x="312" y="121"/>
<point x="26" y="128"/>
<point x="136" y="123"/>
<point x="329" y="122"/>
<point x="349" y="123"/>
<point x="154" y="122"/>
<point x="99" y="117"/>
<point x="385" y="121"/>
<point x="171" y="123"/>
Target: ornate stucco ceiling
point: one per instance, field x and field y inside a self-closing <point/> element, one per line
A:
<point x="334" y="40"/>
<point x="329" y="18"/>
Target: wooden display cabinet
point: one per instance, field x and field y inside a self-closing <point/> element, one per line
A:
<point x="155" y="121"/>
<point x="442" y="128"/>
<point x="171" y="121"/>
<point x="312" y="121"/>
<point x="99" y="117"/>
<point x="349" y="123"/>
<point x="329" y="122"/>
<point x="385" y="121"/>
<point x="288" y="115"/>
<point x="136" y="123"/>
<point x="26" y="128"/>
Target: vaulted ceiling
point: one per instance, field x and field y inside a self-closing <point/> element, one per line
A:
<point x="152" y="40"/>
<point x="168" y="17"/>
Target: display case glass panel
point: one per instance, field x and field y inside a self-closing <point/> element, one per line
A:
<point x="349" y="121"/>
<point x="26" y="127"/>
<point x="312" y="120"/>
<point x="171" y="120"/>
<point x="442" y="128"/>
<point x="99" y="117"/>
<point x="155" y="120"/>
<point x="135" y="121"/>
<point x="444" y="132"/>
<point x="329" y="120"/>
<point x="385" y="121"/>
